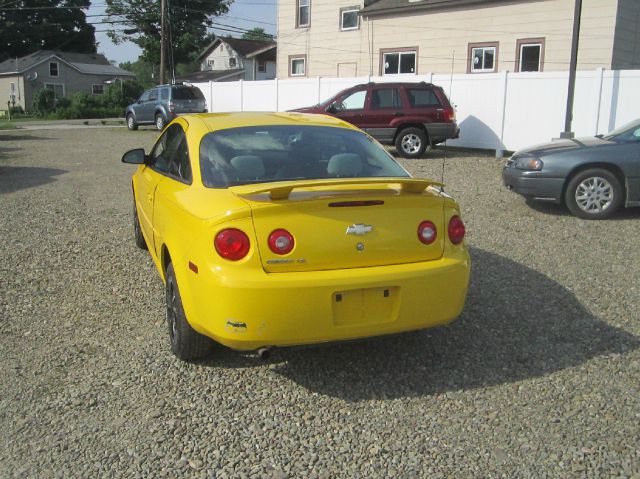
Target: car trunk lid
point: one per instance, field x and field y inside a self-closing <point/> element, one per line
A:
<point x="345" y="223"/>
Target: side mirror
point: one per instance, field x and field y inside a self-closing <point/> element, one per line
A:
<point x="135" y="157"/>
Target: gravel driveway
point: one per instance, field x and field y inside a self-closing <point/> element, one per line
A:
<point x="540" y="377"/>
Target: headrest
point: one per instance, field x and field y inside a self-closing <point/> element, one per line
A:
<point x="248" y="167"/>
<point x="344" y="165"/>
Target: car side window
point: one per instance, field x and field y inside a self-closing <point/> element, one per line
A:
<point x="385" y="98"/>
<point x="145" y="96"/>
<point x="153" y="95"/>
<point x="171" y="147"/>
<point x="180" y="165"/>
<point x="354" y="101"/>
<point x="422" y="98"/>
<point x="164" y="94"/>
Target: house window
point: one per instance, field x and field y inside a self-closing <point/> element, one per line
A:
<point x="483" y="57"/>
<point x="210" y="64"/>
<point x="349" y="18"/>
<point x="53" y="69"/>
<point x="97" y="89"/>
<point x="397" y="61"/>
<point x="232" y="63"/>
<point x="530" y="55"/>
<point x="262" y="66"/>
<point x="302" y="15"/>
<point x="57" y="88"/>
<point x="297" y="65"/>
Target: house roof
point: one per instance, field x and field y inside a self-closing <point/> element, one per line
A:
<point x="385" y="7"/>
<point x="210" y="75"/>
<point x="243" y="47"/>
<point x="90" y="63"/>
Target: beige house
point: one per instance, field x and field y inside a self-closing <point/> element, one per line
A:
<point x="62" y="72"/>
<point x="381" y="37"/>
<point x="231" y="59"/>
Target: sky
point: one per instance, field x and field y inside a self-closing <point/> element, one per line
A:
<point x="245" y="14"/>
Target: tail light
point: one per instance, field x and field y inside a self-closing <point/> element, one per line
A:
<point x="427" y="232"/>
<point x="232" y="244"/>
<point x="456" y="230"/>
<point x="170" y="106"/>
<point x="449" y="115"/>
<point x="281" y="241"/>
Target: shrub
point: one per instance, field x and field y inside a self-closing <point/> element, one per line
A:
<point x="44" y="102"/>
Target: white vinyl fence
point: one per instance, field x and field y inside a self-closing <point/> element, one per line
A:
<point x="501" y="111"/>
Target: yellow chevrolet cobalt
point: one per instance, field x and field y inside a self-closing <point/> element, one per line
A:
<point x="274" y="229"/>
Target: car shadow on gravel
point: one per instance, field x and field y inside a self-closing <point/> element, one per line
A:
<point x="15" y="178"/>
<point x="559" y="210"/>
<point x="517" y="324"/>
<point x="21" y="137"/>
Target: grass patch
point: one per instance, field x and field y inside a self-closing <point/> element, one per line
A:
<point x="8" y="125"/>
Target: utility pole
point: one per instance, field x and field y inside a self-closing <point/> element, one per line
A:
<point x="567" y="133"/>
<point x="163" y="47"/>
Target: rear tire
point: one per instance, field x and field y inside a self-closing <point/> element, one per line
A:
<point x="131" y="122"/>
<point x="594" y="194"/>
<point x="412" y="142"/>
<point x="186" y="343"/>
<point x="160" y="122"/>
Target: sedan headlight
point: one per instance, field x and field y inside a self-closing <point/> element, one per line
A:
<point x="529" y="163"/>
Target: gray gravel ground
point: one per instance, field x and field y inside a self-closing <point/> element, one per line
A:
<point x="540" y="377"/>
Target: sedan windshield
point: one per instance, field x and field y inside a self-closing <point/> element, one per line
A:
<point x="263" y="154"/>
<point x="627" y="132"/>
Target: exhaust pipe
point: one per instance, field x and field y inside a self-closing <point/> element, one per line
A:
<point x="264" y="353"/>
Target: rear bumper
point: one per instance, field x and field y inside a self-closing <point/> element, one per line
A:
<point x="439" y="132"/>
<point x="530" y="185"/>
<point x="282" y="309"/>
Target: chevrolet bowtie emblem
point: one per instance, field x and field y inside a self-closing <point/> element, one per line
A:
<point x="359" y="229"/>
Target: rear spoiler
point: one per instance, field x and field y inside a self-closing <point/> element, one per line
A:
<point x="280" y="190"/>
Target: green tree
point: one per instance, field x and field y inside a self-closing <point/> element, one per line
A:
<point x="146" y="73"/>
<point x="27" y="26"/>
<point x="257" y="33"/>
<point x="187" y="19"/>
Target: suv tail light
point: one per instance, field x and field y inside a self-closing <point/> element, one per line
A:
<point x="427" y="232"/>
<point x="449" y="115"/>
<point x="281" y="241"/>
<point x="232" y="244"/>
<point x="456" y="230"/>
<point x="170" y="105"/>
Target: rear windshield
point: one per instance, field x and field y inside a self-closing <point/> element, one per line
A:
<point x="187" y="93"/>
<point x="264" y="154"/>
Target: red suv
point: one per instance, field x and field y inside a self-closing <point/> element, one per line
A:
<point x="413" y="116"/>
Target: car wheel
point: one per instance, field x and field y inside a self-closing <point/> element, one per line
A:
<point x="137" y="232"/>
<point x="186" y="343"/>
<point x="131" y="122"/>
<point x="160" y="122"/>
<point x="594" y="194"/>
<point x="412" y="142"/>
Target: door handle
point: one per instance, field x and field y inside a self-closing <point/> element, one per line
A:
<point x="398" y="113"/>
<point x="149" y="198"/>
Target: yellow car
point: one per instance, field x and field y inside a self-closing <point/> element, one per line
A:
<point x="278" y="229"/>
